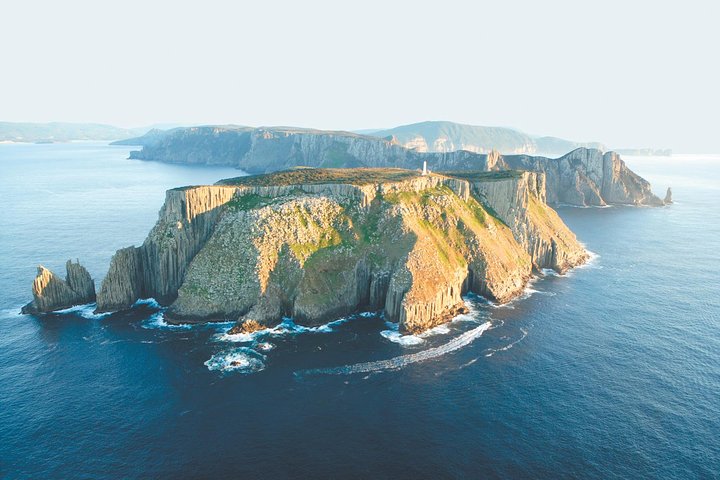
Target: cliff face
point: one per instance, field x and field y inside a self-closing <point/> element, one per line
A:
<point x="587" y="177"/>
<point x="582" y="177"/>
<point x="319" y="244"/>
<point x="449" y="137"/>
<point x="157" y="267"/>
<point x="53" y="293"/>
<point x="520" y="202"/>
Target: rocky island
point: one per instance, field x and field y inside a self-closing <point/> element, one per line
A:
<point x="317" y="244"/>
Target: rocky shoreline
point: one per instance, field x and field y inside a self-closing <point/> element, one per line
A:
<point x="318" y="244"/>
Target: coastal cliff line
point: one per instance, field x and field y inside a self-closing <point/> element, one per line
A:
<point x="318" y="244"/>
<point x="583" y="177"/>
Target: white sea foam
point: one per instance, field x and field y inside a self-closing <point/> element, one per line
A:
<point x="157" y="321"/>
<point x="439" y="330"/>
<point x="403" y="360"/>
<point x="493" y="351"/>
<point x="286" y="327"/>
<point x="264" y="346"/>
<point x="404" y="340"/>
<point x="150" y="302"/>
<point x="85" y="311"/>
<point x="237" y="360"/>
<point x="395" y="336"/>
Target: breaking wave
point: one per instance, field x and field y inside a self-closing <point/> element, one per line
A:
<point x="157" y="321"/>
<point x="286" y="327"/>
<point x="237" y="360"/>
<point x="403" y="360"/>
<point x="404" y="340"/>
<point x="85" y="311"/>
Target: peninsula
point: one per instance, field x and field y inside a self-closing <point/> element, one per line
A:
<point x="582" y="177"/>
<point x="317" y="244"/>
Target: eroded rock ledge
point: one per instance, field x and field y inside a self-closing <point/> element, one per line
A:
<point x="317" y="244"/>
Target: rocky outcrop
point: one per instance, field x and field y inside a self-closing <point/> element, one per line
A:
<point x="583" y="177"/>
<point x="53" y="293"/>
<point x="319" y="244"/>
<point x="519" y="200"/>
<point x="156" y="268"/>
<point x="587" y="177"/>
<point x="668" y="197"/>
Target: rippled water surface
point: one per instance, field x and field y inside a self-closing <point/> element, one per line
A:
<point x="612" y="371"/>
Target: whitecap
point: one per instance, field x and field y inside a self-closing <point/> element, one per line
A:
<point x="286" y="327"/>
<point x="157" y="321"/>
<point x="150" y="302"/>
<point x="265" y="346"/>
<point x="237" y="360"/>
<point x="404" y="340"/>
<point x="86" y="311"/>
<point x="403" y="360"/>
<point x="442" y="329"/>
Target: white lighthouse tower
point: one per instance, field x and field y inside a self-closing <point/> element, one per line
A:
<point x="425" y="170"/>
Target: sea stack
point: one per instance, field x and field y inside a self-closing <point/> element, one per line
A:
<point x="52" y="293"/>
<point x="668" y="197"/>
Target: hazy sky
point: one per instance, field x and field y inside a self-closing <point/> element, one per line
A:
<point x="620" y="72"/>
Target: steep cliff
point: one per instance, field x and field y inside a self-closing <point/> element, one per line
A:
<point x="582" y="177"/>
<point x="156" y="268"/>
<point x="316" y="244"/>
<point x="53" y="293"/>
<point x="587" y="177"/>
<point x="518" y="198"/>
<point x="438" y="136"/>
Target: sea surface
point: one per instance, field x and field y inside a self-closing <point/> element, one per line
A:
<point x="611" y="371"/>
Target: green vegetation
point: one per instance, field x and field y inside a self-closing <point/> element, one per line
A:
<point x="318" y="176"/>
<point x="482" y="176"/>
<point x="247" y="202"/>
<point x="337" y="156"/>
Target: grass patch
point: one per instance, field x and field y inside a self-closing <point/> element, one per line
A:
<point x="481" y="176"/>
<point x="316" y="176"/>
<point x="247" y="202"/>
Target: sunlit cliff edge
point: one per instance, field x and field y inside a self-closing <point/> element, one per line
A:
<point x="318" y="244"/>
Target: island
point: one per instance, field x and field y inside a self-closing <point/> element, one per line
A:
<point x="316" y="244"/>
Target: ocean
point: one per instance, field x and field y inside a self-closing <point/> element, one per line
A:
<point x="611" y="371"/>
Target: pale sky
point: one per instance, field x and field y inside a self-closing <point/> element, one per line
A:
<point x="628" y="74"/>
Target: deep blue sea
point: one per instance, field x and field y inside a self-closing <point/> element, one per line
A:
<point x="612" y="371"/>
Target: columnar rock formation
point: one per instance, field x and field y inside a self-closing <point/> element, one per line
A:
<point x="317" y="244"/>
<point x="588" y="177"/>
<point x="582" y="177"/>
<point x="53" y="293"/>
<point x="156" y="268"/>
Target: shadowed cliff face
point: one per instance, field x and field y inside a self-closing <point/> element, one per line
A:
<point x="270" y="247"/>
<point x="582" y="177"/>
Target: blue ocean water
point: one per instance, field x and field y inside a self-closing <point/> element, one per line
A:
<point x="612" y="371"/>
